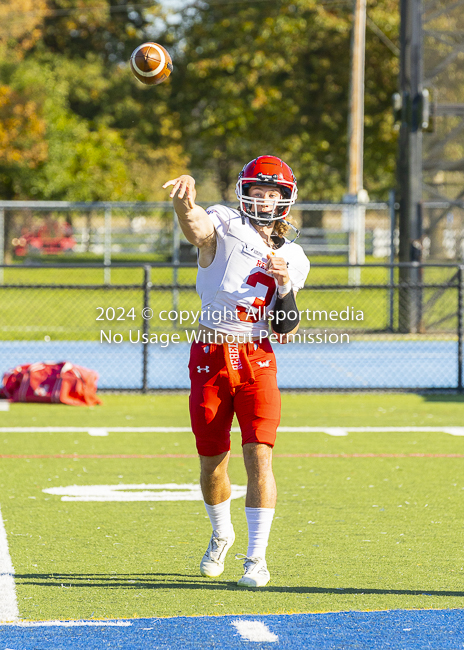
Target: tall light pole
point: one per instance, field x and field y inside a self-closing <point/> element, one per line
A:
<point x="356" y="194"/>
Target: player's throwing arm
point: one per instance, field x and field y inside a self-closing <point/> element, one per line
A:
<point x="193" y="219"/>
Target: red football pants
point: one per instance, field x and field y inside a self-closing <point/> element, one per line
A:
<point x="214" y="398"/>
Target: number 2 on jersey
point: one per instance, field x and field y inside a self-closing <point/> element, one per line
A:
<point x="243" y="313"/>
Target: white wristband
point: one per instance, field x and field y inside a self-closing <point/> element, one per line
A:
<point x="284" y="289"/>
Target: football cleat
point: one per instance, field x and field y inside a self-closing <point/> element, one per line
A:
<point x="255" y="572"/>
<point x="212" y="563"/>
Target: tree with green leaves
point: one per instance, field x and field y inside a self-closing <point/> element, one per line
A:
<point x="273" y="77"/>
<point x="249" y="78"/>
<point x="85" y="129"/>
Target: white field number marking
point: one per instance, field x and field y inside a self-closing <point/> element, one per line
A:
<point x="255" y="631"/>
<point x="136" y="492"/>
<point x="8" y="603"/>
<point x="4" y="406"/>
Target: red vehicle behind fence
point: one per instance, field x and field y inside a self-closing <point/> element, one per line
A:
<point x="49" y="238"/>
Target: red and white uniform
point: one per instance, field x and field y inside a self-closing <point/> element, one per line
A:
<point x="236" y="292"/>
<point x="237" y="295"/>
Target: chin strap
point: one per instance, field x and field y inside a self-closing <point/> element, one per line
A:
<point x="267" y="222"/>
<point x="260" y="222"/>
<point x="297" y="232"/>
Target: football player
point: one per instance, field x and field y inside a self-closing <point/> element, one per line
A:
<point x="248" y="272"/>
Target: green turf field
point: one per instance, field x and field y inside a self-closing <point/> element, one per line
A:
<point x="351" y="533"/>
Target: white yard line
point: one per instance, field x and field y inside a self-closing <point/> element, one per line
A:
<point x="8" y="603"/>
<point x="331" y="431"/>
<point x="255" y="631"/>
<point x="4" y="406"/>
<point x="99" y="431"/>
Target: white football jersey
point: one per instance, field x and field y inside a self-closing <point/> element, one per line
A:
<point x="236" y="291"/>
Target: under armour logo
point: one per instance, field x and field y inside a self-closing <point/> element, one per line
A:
<point x="41" y="391"/>
<point x="264" y="364"/>
<point x="200" y="369"/>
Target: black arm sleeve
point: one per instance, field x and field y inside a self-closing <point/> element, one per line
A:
<point x="286" y="314"/>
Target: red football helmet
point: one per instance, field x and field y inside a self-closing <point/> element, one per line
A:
<point x="272" y="171"/>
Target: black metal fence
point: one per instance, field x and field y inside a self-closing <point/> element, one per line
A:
<point x="396" y="327"/>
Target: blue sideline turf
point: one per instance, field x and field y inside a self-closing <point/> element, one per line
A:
<point x="395" y="630"/>
<point x="358" y="364"/>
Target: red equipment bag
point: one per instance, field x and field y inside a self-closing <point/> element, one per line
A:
<point x="49" y="383"/>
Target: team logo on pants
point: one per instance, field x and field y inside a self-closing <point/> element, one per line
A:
<point x="234" y="356"/>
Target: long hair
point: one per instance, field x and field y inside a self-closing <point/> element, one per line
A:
<point x="281" y="228"/>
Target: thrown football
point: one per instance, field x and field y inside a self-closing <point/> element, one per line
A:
<point x="151" y="63"/>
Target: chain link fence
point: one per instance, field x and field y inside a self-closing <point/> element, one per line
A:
<point x="135" y="328"/>
<point x="33" y="231"/>
<point x="37" y="231"/>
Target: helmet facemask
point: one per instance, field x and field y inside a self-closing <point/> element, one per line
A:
<point x="251" y="206"/>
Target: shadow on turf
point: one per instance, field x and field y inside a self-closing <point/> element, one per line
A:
<point x="171" y="581"/>
<point x="443" y="397"/>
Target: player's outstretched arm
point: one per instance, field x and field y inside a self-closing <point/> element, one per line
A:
<point x="193" y="219"/>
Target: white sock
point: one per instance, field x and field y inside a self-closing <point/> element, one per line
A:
<point x="259" y="526"/>
<point x="219" y="516"/>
